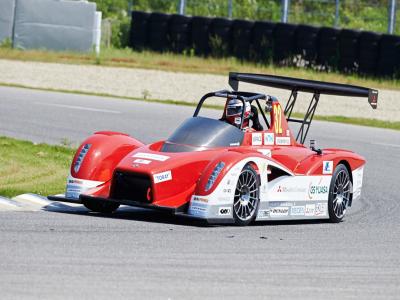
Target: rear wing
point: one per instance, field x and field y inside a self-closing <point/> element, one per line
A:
<point x="296" y="85"/>
<point x="303" y="85"/>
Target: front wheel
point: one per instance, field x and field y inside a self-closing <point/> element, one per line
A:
<point x="339" y="194"/>
<point x="246" y="199"/>
<point x="101" y="206"/>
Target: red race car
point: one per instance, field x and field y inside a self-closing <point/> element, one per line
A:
<point x="246" y="166"/>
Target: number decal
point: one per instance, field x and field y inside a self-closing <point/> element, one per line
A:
<point x="278" y="119"/>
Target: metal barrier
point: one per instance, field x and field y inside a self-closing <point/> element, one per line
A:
<point x="50" y="24"/>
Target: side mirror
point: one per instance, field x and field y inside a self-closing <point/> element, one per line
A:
<point x="313" y="147"/>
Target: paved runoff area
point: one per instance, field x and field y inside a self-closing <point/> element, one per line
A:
<point x="162" y="85"/>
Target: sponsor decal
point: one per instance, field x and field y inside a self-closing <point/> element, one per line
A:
<point x="142" y="161"/>
<point x="238" y="120"/>
<point x="310" y="210"/>
<point x="151" y="156"/>
<point x="317" y="189"/>
<point x="161" y="177"/>
<point x="290" y="189"/>
<point x="277" y="119"/>
<point x="256" y="139"/>
<point x="234" y="144"/>
<point x="75" y="187"/>
<point x="225" y="199"/>
<point x="279" y="211"/>
<point x="75" y="181"/>
<point x="227" y="191"/>
<point x="263" y="214"/>
<point x="269" y="138"/>
<point x="287" y="132"/>
<point x="198" y="209"/>
<point x="320" y="209"/>
<point x="200" y="199"/>
<point x="297" y="211"/>
<point x="327" y="167"/>
<point x="223" y="211"/>
<point x="282" y="141"/>
<point x="280" y="203"/>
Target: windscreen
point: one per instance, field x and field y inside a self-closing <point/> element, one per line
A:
<point x="199" y="133"/>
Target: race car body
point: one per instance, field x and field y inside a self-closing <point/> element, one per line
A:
<point x="221" y="172"/>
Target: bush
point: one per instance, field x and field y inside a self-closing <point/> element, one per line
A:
<point x="120" y="32"/>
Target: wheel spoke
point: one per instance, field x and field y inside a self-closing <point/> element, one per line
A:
<point x="346" y="185"/>
<point x="249" y="186"/>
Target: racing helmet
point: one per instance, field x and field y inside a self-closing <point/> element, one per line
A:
<point x="233" y="112"/>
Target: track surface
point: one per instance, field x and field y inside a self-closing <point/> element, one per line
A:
<point x="143" y="254"/>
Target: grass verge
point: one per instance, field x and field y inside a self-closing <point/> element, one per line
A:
<point x="337" y="119"/>
<point x="188" y="63"/>
<point x="32" y="168"/>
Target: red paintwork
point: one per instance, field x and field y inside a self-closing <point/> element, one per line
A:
<point x="107" y="150"/>
<point x="111" y="151"/>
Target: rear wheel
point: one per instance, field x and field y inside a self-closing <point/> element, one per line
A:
<point x="101" y="206"/>
<point x="339" y="194"/>
<point x="245" y="202"/>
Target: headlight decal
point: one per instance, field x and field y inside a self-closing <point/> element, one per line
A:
<point x="81" y="157"/>
<point x="214" y="175"/>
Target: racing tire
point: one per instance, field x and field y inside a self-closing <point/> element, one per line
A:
<point x="389" y="56"/>
<point x="138" y="33"/>
<point x="306" y="43"/>
<point x="101" y="206"/>
<point x="262" y="42"/>
<point x="348" y="50"/>
<point x="328" y="47"/>
<point x="339" y="194"/>
<point x="246" y="198"/>
<point x="284" y="44"/>
<point x="199" y="35"/>
<point x="368" y="52"/>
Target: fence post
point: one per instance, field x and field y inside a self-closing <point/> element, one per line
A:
<point x="13" y="24"/>
<point x="337" y="6"/>
<point x="230" y="8"/>
<point x="182" y="6"/>
<point x="285" y="11"/>
<point x="392" y="16"/>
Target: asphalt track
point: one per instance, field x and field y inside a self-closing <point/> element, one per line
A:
<point x="141" y="254"/>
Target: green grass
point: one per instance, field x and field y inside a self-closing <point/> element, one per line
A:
<point x="32" y="168"/>
<point x="188" y="63"/>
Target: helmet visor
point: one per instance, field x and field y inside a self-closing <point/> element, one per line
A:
<point x="234" y="110"/>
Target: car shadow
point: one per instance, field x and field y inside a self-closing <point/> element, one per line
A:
<point x="137" y="214"/>
<point x="154" y="216"/>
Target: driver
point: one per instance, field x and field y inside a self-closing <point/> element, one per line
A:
<point x="233" y="114"/>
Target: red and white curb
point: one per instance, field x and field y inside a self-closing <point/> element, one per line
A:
<point x="33" y="202"/>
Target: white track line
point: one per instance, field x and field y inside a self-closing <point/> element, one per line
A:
<point x="81" y="108"/>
